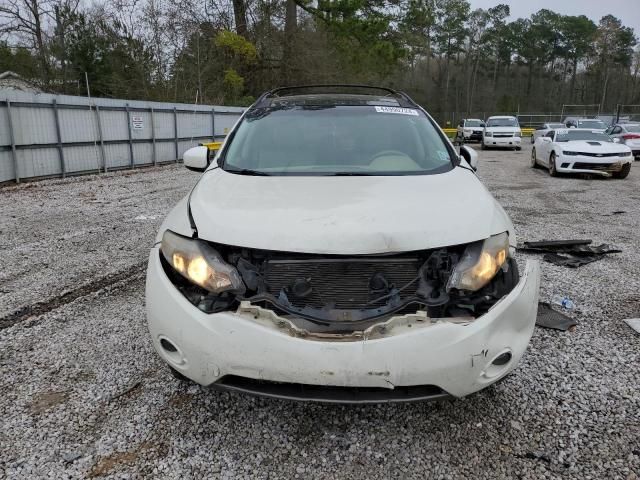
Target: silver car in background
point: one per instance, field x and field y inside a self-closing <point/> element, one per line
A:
<point x="543" y="129"/>
<point x="628" y="134"/>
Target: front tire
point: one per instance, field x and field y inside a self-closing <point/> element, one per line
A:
<point x="624" y="173"/>
<point x="534" y="162"/>
<point x="552" y="165"/>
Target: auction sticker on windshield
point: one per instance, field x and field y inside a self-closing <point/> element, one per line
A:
<point x="400" y="110"/>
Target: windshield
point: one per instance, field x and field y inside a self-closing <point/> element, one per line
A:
<point x="502" y="122"/>
<point x="474" y="123"/>
<point x="334" y="140"/>
<point x="591" y="124"/>
<point x="571" y="135"/>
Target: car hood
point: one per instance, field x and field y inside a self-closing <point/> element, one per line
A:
<point x="593" y="146"/>
<point x="345" y="214"/>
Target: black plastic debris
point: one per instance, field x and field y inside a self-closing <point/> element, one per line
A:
<point x="550" y="318"/>
<point x="615" y="212"/>
<point x="569" y="253"/>
<point x="570" y="260"/>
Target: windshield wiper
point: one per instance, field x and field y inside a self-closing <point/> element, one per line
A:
<point x="247" y="171"/>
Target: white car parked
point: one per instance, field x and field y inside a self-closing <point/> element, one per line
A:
<point x="581" y="151"/>
<point x="543" y="129"/>
<point x="502" y="131"/>
<point x="342" y="254"/>
<point x="629" y="134"/>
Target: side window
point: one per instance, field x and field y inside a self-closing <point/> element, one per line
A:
<point x="616" y="130"/>
<point x="461" y="123"/>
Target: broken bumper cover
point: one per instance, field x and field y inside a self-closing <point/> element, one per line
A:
<point x="417" y="359"/>
<point x="597" y="166"/>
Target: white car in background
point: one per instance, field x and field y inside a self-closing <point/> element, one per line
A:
<point x="581" y="151"/>
<point x="502" y="132"/>
<point x="470" y="129"/>
<point x="543" y="129"/>
<point x="594" y="124"/>
<point x="629" y="134"/>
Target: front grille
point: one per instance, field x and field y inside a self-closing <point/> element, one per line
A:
<point x="329" y="393"/>
<point x="343" y="283"/>
<point x="598" y="155"/>
<point x="609" y="167"/>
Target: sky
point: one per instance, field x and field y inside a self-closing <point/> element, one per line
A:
<point x="626" y="10"/>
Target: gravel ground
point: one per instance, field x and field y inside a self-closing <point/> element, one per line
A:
<point x="85" y="396"/>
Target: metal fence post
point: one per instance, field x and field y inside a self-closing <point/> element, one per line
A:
<point x="175" y="130"/>
<point x="13" y="143"/>
<point x="126" y="107"/>
<point x="153" y="139"/>
<point x="63" y="167"/>
<point x="102" y="152"/>
<point x="213" y="124"/>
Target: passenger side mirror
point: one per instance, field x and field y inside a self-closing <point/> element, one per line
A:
<point x="470" y="155"/>
<point x="196" y="159"/>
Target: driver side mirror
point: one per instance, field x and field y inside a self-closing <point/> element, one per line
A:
<point x="196" y="159"/>
<point x="470" y="155"/>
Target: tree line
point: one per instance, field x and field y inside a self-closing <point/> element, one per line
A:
<point x="449" y="57"/>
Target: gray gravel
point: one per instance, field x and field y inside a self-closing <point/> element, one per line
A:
<point x="85" y="396"/>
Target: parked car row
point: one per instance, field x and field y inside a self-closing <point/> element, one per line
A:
<point x="504" y="131"/>
<point x="500" y="131"/>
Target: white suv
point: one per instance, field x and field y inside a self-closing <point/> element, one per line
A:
<point x="330" y="252"/>
<point x="470" y="129"/>
<point x="502" y="131"/>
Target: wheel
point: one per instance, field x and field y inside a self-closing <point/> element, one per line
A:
<point x="624" y="173"/>
<point x="518" y="148"/>
<point x="552" y="165"/>
<point x="534" y="163"/>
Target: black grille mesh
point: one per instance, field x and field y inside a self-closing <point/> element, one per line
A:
<point x="597" y="166"/>
<point x="342" y="282"/>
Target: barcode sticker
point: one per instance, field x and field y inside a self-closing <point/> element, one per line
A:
<point x="399" y="110"/>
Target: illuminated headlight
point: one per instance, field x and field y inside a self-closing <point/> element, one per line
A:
<point x="199" y="263"/>
<point x="480" y="263"/>
<point x="488" y="134"/>
<point x="569" y="153"/>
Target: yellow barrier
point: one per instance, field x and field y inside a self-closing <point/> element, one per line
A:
<point x="212" y="145"/>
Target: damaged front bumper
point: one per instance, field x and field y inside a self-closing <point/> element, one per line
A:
<point x="406" y="353"/>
